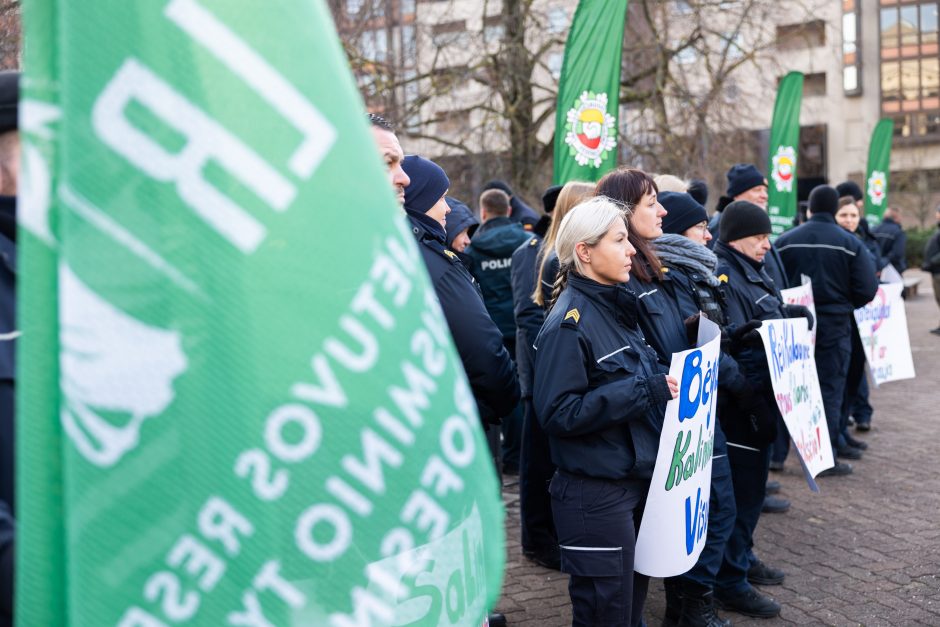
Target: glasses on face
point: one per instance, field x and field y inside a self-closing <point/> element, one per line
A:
<point x="702" y="226"/>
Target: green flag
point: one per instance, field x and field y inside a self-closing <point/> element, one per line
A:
<point x="784" y="146"/>
<point x="239" y="401"/>
<point x="879" y="170"/>
<point x="589" y="92"/>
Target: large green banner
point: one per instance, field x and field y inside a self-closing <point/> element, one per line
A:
<point x="239" y="401"/>
<point x="879" y="169"/>
<point x="589" y="92"/>
<point x="784" y="146"/>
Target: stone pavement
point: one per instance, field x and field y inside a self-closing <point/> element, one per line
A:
<point x="864" y="551"/>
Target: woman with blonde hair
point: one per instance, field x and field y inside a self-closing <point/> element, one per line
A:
<point x="571" y="194"/>
<point x="600" y="395"/>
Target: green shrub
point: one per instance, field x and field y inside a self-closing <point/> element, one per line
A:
<point x="916" y="242"/>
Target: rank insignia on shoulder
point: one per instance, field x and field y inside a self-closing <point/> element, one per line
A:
<point x="533" y="242"/>
<point x="450" y="254"/>
<point x="573" y="314"/>
<point x="723" y="278"/>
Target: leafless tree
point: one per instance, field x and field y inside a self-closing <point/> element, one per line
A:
<point x="10" y="34"/>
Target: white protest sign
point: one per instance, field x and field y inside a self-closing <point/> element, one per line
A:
<point x="803" y="295"/>
<point x="675" y="522"/>
<point x="882" y="326"/>
<point x="796" y="390"/>
<point x="890" y="274"/>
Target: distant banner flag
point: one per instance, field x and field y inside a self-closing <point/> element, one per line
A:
<point x="882" y="327"/>
<point x="219" y="427"/>
<point x="589" y="92"/>
<point x="784" y="152"/>
<point x="795" y="382"/>
<point x="675" y="520"/>
<point x="879" y="169"/>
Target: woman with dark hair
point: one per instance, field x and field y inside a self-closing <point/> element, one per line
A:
<point x="662" y="324"/>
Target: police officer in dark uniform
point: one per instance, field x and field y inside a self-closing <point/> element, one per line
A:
<point x="600" y="395"/>
<point x="539" y="540"/>
<point x="843" y="275"/>
<point x="479" y="342"/>
<point x="9" y="154"/>
<point x="744" y="242"/>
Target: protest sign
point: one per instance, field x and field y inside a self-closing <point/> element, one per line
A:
<point x="795" y="382"/>
<point x="675" y="522"/>
<point x="882" y="327"/>
<point x="803" y="295"/>
<point x="240" y="401"/>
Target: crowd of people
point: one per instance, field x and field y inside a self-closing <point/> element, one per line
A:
<point x="566" y="324"/>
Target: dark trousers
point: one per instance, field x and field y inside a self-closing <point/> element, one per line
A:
<point x="597" y="523"/>
<point x="511" y="427"/>
<point x="749" y="478"/>
<point x="833" y="352"/>
<point x="781" y="445"/>
<point x="535" y="472"/>
<point x="856" y="386"/>
<point x="7" y="446"/>
<point x="721" y="516"/>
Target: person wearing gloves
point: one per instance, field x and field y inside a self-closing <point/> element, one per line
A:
<point x="843" y="275"/>
<point x="743" y="245"/>
<point x="600" y="395"/>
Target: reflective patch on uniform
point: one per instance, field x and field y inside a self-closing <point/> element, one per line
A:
<point x="723" y="278"/>
<point x="573" y="314"/>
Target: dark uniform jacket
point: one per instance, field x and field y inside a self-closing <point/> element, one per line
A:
<point x="479" y="342"/>
<point x="662" y="324"/>
<point x="892" y="241"/>
<point x="842" y="271"/>
<point x="932" y="254"/>
<point x="600" y="394"/>
<point x="528" y="315"/>
<point x="8" y="334"/>
<point x="490" y="253"/>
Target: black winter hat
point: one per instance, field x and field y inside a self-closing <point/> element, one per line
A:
<point x="428" y="183"/>
<point x="682" y="212"/>
<point x="698" y="190"/>
<point x="550" y="197"/>
<point x="849" y="188"/>
<point x="742" y="219"/>
<point x="823" y="199"/>
<point x="459" y="218"/>
<point x="9" y="101"/>
<point x="500" y="185"/>
<point x="742" y="177"/>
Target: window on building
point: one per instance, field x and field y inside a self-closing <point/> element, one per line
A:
<point x="686" y="55"/>
<point x="910" y="66"/>
<point x="353" y="7"/>
<point x="814" y="84"/>
<point x="734" y="43"/>
<point x="449" y="33"/>
<point x="493" y="28"/>
<point x="851" y="52"/>
<point x="409" y="45"/>
<point x="374" y="45"/>
<point x="555" y="62"/>
<point x="804" y="35"/>
<point x="407" y="7"/>
<point x="557" y="20"/>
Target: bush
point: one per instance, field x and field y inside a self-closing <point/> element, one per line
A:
<point x="916" y="242"/>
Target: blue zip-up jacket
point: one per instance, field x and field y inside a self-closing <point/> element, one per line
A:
<point x="479" y="342"/>
<point x="490" y="253"/>
<point x="892" y="240"/>
<point x="600" y="394"/>
<point x="662" y="324"/>
<point x="842" y="271"/>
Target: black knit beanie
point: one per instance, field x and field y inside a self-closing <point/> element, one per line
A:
<point x="550" y="197"/>
<point x="9" y="100"/>
<point x="698" y="190"/>
<point x="682" y="212"/>
<point x="742" y="219"/>
<point x="849" y="188"/>
<point x="824" y="199"/>
<point x="742" y="177"/>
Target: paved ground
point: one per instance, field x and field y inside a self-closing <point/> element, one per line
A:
<point x="864" y="551"/>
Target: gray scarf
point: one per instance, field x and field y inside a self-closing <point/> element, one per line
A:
<point x="684" y="254"/>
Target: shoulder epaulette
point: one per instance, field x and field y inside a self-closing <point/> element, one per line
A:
<point x="723" y="278"/>
<point x="572" y="318"/>
<point x="533" y="241"/>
